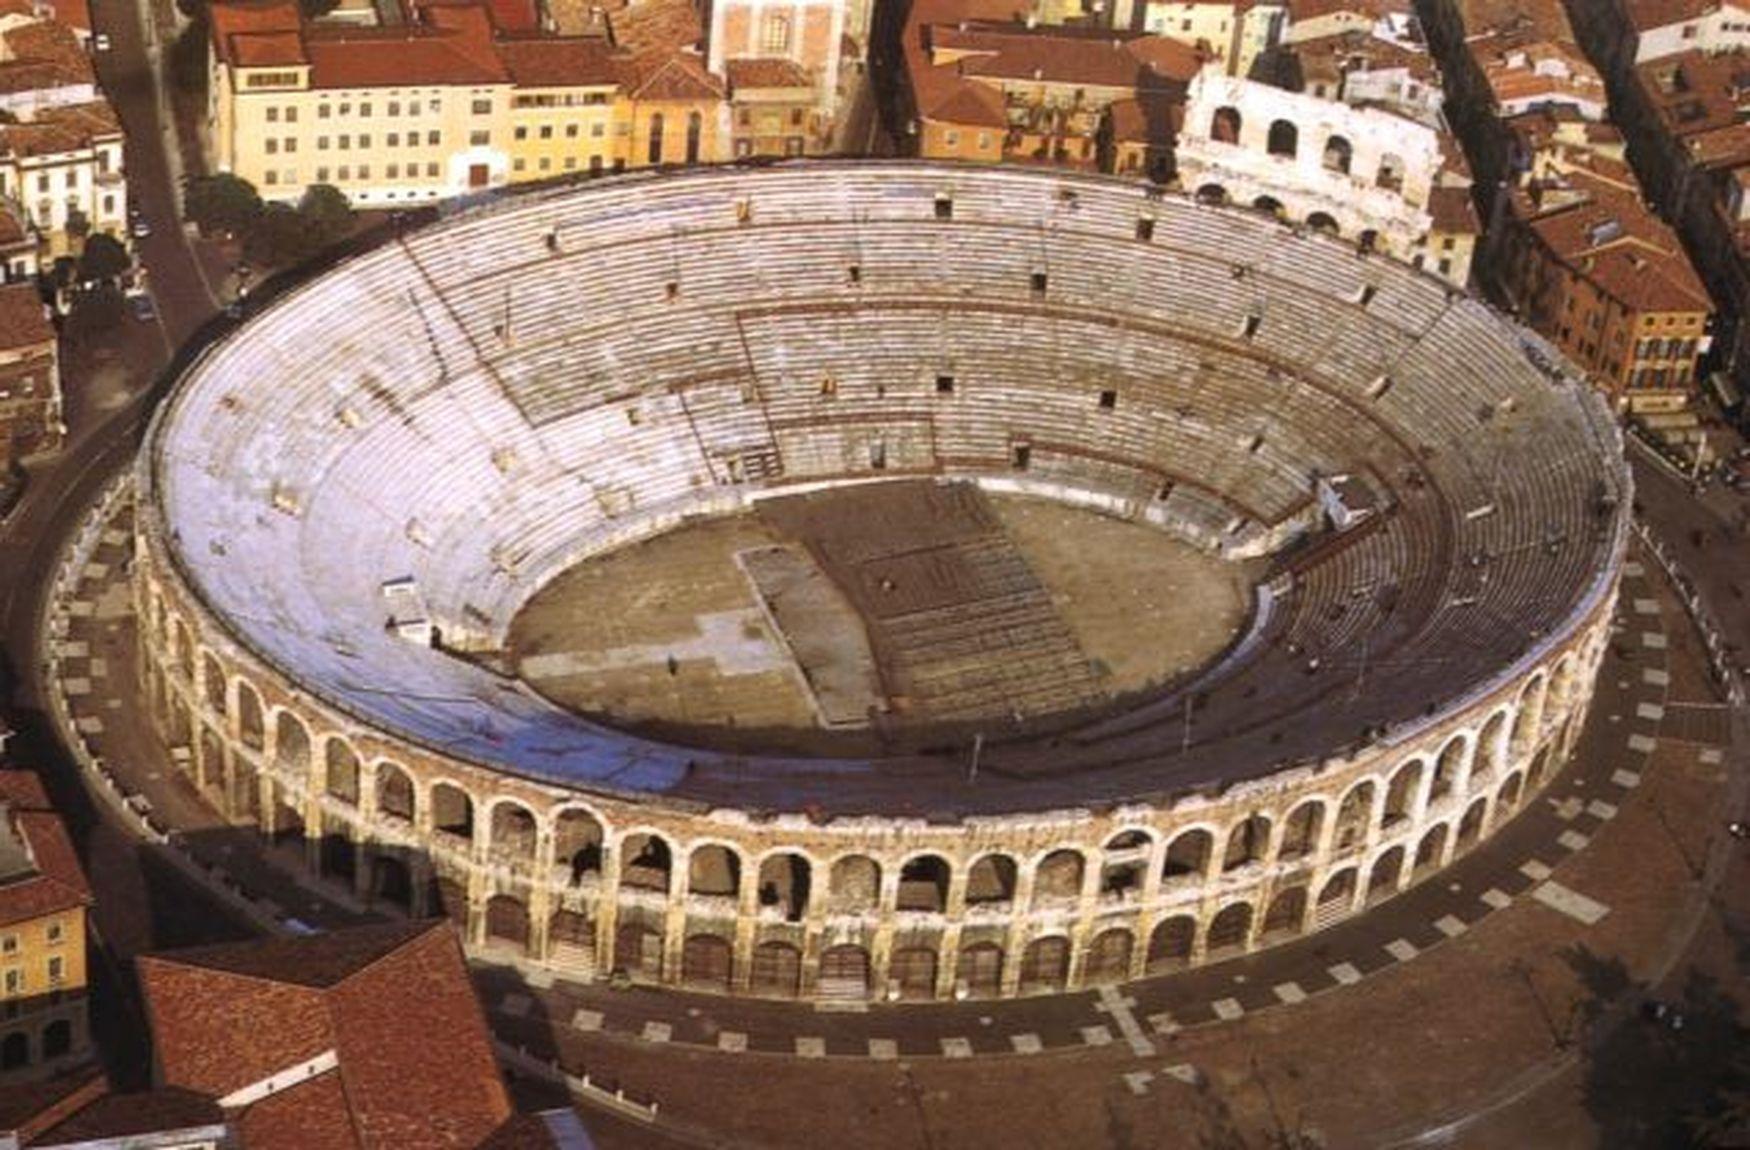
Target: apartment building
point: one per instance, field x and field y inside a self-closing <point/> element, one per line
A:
<point x="30" y="377"/>
<point x="1232" y="33"/>
<point x="985" y="87"/>
<point x="458" y="96"/>
<point x="1593" y="269"/>
<point x="44" y="899"/>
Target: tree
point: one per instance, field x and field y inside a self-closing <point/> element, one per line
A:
<point x="280" y="236"/>
<point x="221" y="203"/>
<point x="104" y="259"/>
<point x="326" y="210"/>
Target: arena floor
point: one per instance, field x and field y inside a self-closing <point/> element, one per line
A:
<point x="871" y="615"/>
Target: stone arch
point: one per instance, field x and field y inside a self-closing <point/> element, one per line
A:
<point x="1508" y="796"/>
<point x="1386" y="873"/>
<point x="1212" y="194"/>
<point x="15" y="1050"/>
<point x="1324" y="222"/>
<point x="844" y="972"/>
<point x="182" y="651"/>
<point x="776" y="970"/>
<point x="1171" y="942"/>
<point x="57" y="1039"/>
<point x="1562" y="683"/>
<point x="291" y="745"/>
<point x="1339" y="154"/>
<point x="1188" y="856"/>
<point x="923" y="884"/>
<point x="638" y="950"/>
<point x="1286" y="913"/>
<point x="646" y="862"/>
<point x="853" y="884"/>
<point x="1269" y="205"/>
<point x="1124" y="863"/>
<point x="714" y="869"/>
<point x="990" y="881"/>
<point x="706" y="960"/>
<point x="785" y="882"/>
<point x="1058" y="878"/>
<point x="1045" y="965"/>
<point x="1491" y="753"/>
<point x="1337" y="896"/>
<point x="1390" y="174"/>
<point x="1401" y="794"/>
<point x="213" y="674"/>
<point x="507" y="922"/>
<point x="578" y="840"/>
<point x="1301" y="831"/>
<point x="1229" y="930"/>
<point x="1527" y="718"/>
<point x="980" y="969"/>
<point x="1429" y="850"/>
<point x="452" y="809"/>
<point x="1354" y="814"/>
<point x="392" y="880"/>
<point x="395" y="793"/>
<point x="1470" y="827"/>
<point x="1225" y="125"/>
<point x="251" y="728"/>
<point x="912" y="972"/>
<point x="1539" y="768"/>
<point x="571" y="938"/>
<point x="211" y="762"/>
<point x="1109" y="956"/>
<point x="1283" y="139"/>
<point x="1448" y="768"/>
<point x="1247" y="843"/>
<point x="340" y="770"/>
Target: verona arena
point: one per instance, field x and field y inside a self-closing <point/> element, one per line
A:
<point x="346" y="502"/>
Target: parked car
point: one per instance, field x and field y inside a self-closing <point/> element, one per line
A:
<point x="142" y="307"/>
<point x="100" y="42"/>
<point x="137" y="226"/>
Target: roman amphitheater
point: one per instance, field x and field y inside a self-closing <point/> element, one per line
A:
<point x="874" y="580"/>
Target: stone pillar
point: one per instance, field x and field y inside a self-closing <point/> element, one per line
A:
<point x="881" y="944"/>
<point x="607" y="915"/>
<point x="541" y="900"/>
<point x="747" y="904"/>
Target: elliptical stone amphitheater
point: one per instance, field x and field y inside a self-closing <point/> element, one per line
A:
<point x="347" y="501"/>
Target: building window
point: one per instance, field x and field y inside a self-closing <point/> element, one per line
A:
<point x="322" y="175"/>
<point x="482" y="107"/>
<point x="292" y="115"/>
<point x="273" y="115"/>
<point x="9" y="944"/>
<point x="57" y="970"/>
<point x="365" y="140"/>
<point x="522" y="133"/>
<point x="323" y="111"/>
<point x="364" y="109"/>
<point x="344" y="174"/>
<point x="431" y="138"/>
<point x="775" y="35"/>
<point x="273" y="176"/>
<point x="291" y="144"/>
<point x="431" y="171"/>
<point x="653" y="153"/>
<point x="15" y="981"/>
<point x="394" y="107"/>
<point x="273" y="145"/>
<point x="394" y="171"/>
<point x="479" y="139"/>
<point x="364" y="171"/>
<point x="546" y="131"/>
<point x="571" y="131"/>
<point x="518" y="164"/>
<point x="394" y="139"/>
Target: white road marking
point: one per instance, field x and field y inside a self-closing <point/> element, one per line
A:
<point x="1570" y="902"/>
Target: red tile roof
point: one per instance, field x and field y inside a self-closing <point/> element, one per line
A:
<point x="561" y="61"/>
<point x="1453" y="211"/>
<point x="147" y="1112"/>
<point x="441" y="44"/>
<point x="415" y="1062"/>
<point x="57" y="883"/>
<point x="1646" y="15"/>
<point x="767" y="72"/>
<point x="43" y="54"/>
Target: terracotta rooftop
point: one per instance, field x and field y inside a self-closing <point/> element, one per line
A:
<point x="1300" y="11"/>
<point x="42" y="54"/>
<point x="440" y="44"/>
<point x="1453" y="211"/>
<point x="54" y="881"/>
<point x="129" y="1115"/>
<point x="1645" y="15"/>
<point x="393" y="1002"/>
<point x="1697" y="93"/>
<point x="1146" y="120"/>
<point x="1604" y="232"/>
<point x="1063" y="55"/>
<point x="767" y="72"/>
<point x="1357" y="51"/>
<point x="558" y="61"/>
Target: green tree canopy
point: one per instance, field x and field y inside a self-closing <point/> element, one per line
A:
<point x="325" y="208"/>
<point x="222" y="203"/>
<point x="104" y="259"/>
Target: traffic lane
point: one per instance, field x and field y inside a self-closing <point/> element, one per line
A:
<point x="126" y="73"/>
<point x="1720" y="565"/>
